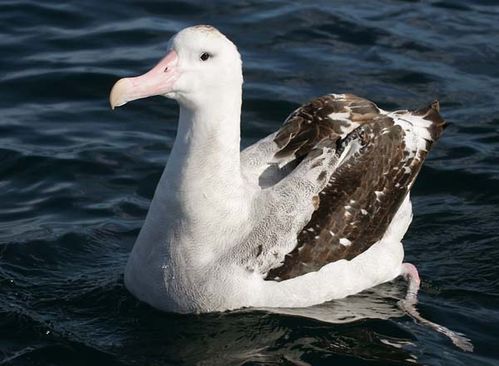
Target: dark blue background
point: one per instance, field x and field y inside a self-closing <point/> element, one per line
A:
<point x="76" y="179"/>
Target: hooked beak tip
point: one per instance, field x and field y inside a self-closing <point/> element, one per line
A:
<point x="117" y="98"/>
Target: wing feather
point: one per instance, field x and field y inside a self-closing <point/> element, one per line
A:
<point x="364" y="193"/>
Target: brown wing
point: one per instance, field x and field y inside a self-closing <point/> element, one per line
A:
<point x="331" y="116"/>
<point x="364" y="193"/>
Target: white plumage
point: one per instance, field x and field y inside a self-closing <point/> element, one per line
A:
<point x="213" y="207"/>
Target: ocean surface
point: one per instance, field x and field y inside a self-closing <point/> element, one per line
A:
<point x="76" y="178"/>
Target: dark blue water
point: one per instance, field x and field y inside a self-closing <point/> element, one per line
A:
<point x="76" y="179"/>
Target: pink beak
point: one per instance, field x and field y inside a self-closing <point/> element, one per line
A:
<point x="157" y="81"/>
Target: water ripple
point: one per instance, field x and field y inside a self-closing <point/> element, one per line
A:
<point x="76" y="179"/>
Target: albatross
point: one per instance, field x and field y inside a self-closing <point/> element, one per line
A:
<point x="316" y="211"/>
<point x="313" y="212"/>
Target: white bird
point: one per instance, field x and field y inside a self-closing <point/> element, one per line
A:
<point x="314" y="212"/>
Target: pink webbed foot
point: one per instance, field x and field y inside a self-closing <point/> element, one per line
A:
<point x="410" y="273"/>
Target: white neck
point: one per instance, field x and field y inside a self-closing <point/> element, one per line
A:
<point x="203" y="170"/>
<point x="201" y="187"/>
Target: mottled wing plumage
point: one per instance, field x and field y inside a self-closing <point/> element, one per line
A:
<point x="365" y="191"/>
<point x="329" y="117"/>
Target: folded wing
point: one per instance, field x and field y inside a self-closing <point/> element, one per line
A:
<point x="382" y="154"/>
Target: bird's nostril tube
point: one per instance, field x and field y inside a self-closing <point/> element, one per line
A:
<point x="166" y="69"/>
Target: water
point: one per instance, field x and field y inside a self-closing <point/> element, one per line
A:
<point x="76" y="179"/>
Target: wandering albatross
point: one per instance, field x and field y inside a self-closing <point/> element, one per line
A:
<point x="316" y="211"/>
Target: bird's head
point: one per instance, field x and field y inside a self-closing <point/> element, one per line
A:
<point x="199" y="63"/>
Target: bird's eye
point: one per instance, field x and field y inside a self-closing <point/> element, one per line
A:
<point x="205" y="56"/>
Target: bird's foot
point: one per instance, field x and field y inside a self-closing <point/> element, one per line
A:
<point x="411" y="275"/>
<point x="408" y="305"/>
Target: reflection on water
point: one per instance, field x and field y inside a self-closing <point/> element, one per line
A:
<point x="376" y="303"/>
<point x="76" y="180"/>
